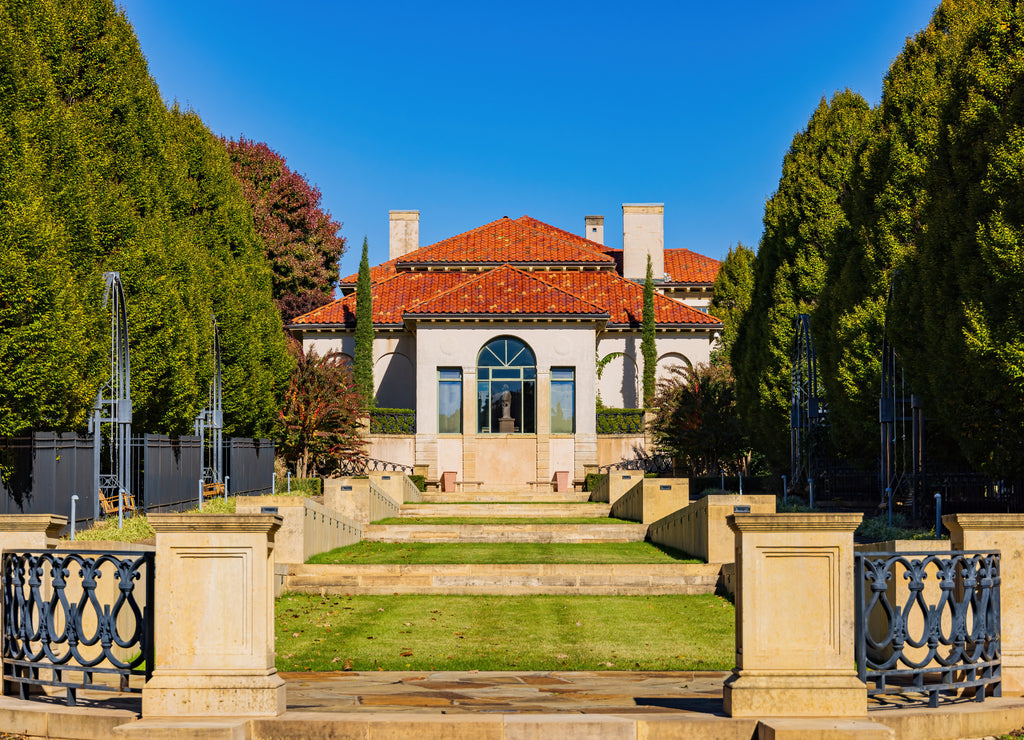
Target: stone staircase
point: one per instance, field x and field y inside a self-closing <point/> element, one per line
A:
<point x="505" y="579"/>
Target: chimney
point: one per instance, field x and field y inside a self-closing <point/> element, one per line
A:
<point x="594" y="230"/>
<point x="405" y="233"/>
<point x="643" y="235"/>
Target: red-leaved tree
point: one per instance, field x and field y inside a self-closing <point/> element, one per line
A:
<point x="319" y="423"/>
<point x="302" y="241"/>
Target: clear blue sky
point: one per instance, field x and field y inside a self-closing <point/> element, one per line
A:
<point x="473" y="111"/>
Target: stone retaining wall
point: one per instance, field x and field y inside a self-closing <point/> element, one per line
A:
<point x="308" y="528"/>
<point x="505" y="533"/>
<point x="652" y="498"/>
<point x="506" y="510"/>
<point x="701" y="529"/>
<point x="513" y="579"/>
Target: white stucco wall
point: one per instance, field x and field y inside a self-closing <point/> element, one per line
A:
<point x="565" y="345"/>
<point x="394" y="363"/>
<point x="622" y="379"/>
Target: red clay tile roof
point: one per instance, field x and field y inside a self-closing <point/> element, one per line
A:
<point x="391" y="298"/>
<point x="624" y="299"/>
<point x="377" y="273"/>
<point x="684" y="266"/>
<point x="506" y="291"/>
<point x="508" y="241"/>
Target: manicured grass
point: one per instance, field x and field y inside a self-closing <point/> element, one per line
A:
<point x="535" y="633"/>
<point x="366" y="552"/>
<point x="501" y="520"/>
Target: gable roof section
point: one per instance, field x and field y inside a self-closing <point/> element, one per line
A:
<point x="508" y="241"/>
<point x="624" y="300"/>
<point x="506" y="291"/>
<point x="391" y="298"/>
<point x="684" y="266"/>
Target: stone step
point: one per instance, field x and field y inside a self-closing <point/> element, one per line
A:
<point x="505" y="579"/>
<point x="505" y="532"/>
<point x="524" y="509"/>
<point x="517" y="496"/>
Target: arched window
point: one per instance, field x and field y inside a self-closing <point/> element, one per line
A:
<point x="506" y="387"/>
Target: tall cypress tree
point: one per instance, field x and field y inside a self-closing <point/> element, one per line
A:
<point x="647" y="346"/>
<point x="364" y="330"/>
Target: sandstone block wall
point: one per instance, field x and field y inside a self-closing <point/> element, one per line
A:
<point x="701" y="529"/>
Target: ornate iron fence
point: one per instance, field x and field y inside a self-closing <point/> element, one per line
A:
<point x="620" y="421"/>
<point x="928" y="622"/>
<point x="364" y="465"/>
<point x="392" y="421"/>
<point x="79" y="613"/>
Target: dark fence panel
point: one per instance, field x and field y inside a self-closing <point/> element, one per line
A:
<point x="43" y="471"/>
<point x="250" y="463"/>
<point x="172" y="467"/>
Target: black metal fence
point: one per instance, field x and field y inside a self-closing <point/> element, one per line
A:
<point x="928" y="623"/>
<point x="77" y="615"/>
<point x="250" y="463"/>
<point x="40" y="473"/>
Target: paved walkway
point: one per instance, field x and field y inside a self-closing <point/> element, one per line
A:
<point x="461" y="692"/>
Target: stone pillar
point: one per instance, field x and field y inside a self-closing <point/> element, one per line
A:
<point x="795" y="618"/>
<point x="28" y="532"/>
<point x="1005" y="533"/>
<point x="214" y="617"/>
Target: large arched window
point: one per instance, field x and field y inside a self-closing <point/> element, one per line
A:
<point x="506" y="387"/>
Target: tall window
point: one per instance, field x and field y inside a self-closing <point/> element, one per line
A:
<point x="506" y="388"/>
<point x="449" y="400"/>
<point x="563" y="400"/>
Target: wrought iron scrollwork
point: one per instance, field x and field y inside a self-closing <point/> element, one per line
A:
<point x="364" y="465"/>
<point x="928" y="623"/>
<point x="56" y="622"/>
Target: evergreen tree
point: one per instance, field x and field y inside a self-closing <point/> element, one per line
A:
<point x="734" y="287"/>
<point x="648" y="349"/>
<point x="363" y="359"/>
<point x="804" y="221"/>
<point x="97" y="174"/>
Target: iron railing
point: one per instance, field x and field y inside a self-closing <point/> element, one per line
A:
<point x="77" y="612"/>
<point x="363" y="465"/>
<point x="620" y="421"/>
<point x="928" y="622"/>
<point x="392" y="421"/>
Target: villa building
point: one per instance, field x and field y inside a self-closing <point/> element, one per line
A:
<point x="503" y="338"/>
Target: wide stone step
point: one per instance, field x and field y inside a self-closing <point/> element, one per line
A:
<point x="515" y="579"/>
<point x="506" y="510"/>
<point x="518" y="496"/>
<point x="505" y="532"/>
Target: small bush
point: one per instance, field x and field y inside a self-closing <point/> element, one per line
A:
<point x="877" y="529"/>
<point x="420" y="481"/>
<point x="136" y="528"/>
<point x="592" y="480"/>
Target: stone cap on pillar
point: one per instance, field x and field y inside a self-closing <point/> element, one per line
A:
<point x="955" y="522"/>
<point x="49" y="525"/>
<point x="793" y="522"/>
<point x="269" y="523"/>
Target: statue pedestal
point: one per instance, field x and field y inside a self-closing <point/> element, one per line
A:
<point x="506" y="424"/>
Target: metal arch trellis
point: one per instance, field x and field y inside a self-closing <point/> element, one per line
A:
<point x="114" y="406"/>
<point x="897" y="406"/>
<point x="210" y="420"/>
<point x="807" y="409"/>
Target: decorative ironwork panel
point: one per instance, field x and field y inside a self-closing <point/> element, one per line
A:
<point x="928" y="622"/>
<point x="364" y="465"/>
<point x="81" y="615"/>
<point x="393" y="422"/>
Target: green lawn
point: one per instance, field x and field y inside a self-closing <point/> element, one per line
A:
<point x="524" y="633"/>
<point x="365" y="552"/>
<point x="501" y="520"/>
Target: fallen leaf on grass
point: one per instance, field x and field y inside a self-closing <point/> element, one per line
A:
<point x="295" y="634"/>
<point x="406" y="654"/>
